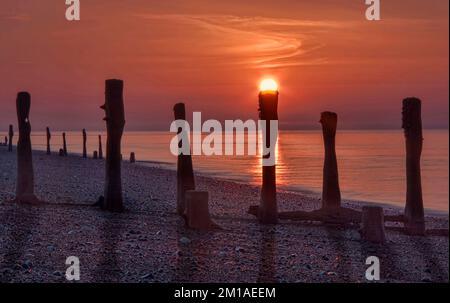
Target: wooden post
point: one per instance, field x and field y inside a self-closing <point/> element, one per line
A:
<point x="373" y="224"/>
<point x="268" y="209"/>
<point x="64" y="144"/>
<point x="84" y="143"/>
<point x="132" y="158"/>
<point x="185" y="170"/>
<point x="6" y="141"/>
<point x="331" y="194"/>
<point x="412" y="125"/>
<point x="11" y="135"/>
<point x="100" y="149"/>
<point x="95" y="155"/>
<point x="197" y="211"/>
<point x="25" y="174"/>
<point x="115" y="123"/>
<point x="49" y="136"/>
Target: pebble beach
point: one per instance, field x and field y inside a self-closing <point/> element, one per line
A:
<point x="149" y="243"/>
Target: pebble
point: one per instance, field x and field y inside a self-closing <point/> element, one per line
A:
<point x="185" y="240"/>
<point x="57" y="273"/>
<point x="147" y="276"/>
<point x="239" y="249"/>
<point x="27" y="264"/>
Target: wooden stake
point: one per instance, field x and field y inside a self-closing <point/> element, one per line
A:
<point x="25" y="174"/>
<point x="412" y="125"/>
<point x="331" y="194"/>
<point x="84" y="143"/>
<point x="268" y="210"/>
<point x="49" y="136"/>
<point x="64" y="144"/>
<point x="95" y="155"/>
<point x="373" y="224"/>
<point x="185" y="170"/>
<point x="11" y="135"/>
<point x="197" y="211"/>
<point x="132" y="157"/>
<point x="115" y="123"/>
<point x="100" y="149"/>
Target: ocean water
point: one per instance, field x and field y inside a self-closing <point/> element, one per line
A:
<point x="371" y="163"/>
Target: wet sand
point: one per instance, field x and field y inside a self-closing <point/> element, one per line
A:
<point x="149" y="243"/>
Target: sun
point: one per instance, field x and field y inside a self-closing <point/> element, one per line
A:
<point x="268" y="85"/>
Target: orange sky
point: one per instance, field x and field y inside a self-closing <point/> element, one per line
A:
<point x="211" y="55"/>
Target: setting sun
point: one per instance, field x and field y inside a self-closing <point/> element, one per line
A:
<point x="268" y="85"/>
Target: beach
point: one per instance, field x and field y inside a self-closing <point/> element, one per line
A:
<point x="149" y="242"/>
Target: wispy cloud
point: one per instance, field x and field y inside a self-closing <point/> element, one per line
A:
<point x="257" y="42"/>
<point x="16" y="17"/>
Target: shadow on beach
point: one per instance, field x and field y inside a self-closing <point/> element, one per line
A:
<point x="338" y="239"/>
<point x="267" y="268"/>
<point x="108" y="269"/>
<point x="433" y="265"/>
<point x="22" y="220"/>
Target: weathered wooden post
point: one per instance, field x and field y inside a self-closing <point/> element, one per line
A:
<point x="11" y="135"/>
<point x="185" y="170"/>
<point x="95" y="155"/>
<point x="49" y="136"/>
<point x="6" y="141"/>
<point x="84" y="143"/>
<point x="412" y="125"/>
<point x="268" y="111"/>
<point x="64" y="144"/>
<point x="25" y="174"/>
<point x="100" y="149"/>
<point x="132" y="157"/>
<point x="197" y="211"/>
<point x="331" y="194"/>
<point x="373" y="224"/>
<point x="115" y="123"/>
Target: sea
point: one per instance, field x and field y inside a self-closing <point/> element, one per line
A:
<point x="371" y="163"/>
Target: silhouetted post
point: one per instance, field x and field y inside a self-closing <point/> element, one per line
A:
<point x="11" y="135"/>
<point x="84" y="143"/>
<point x="185" y="170"/>
<point x="373" y="224"/>
<point x="331" y="194"/>
<point x="197" y="211"/>
<point x="115" y="123"/>
<point x="100" y="149"/>
<point x="49" y="136"/>
<point x="64" y="144"/>
<point x="95" y="155"/>
<point x="6" y="141"/>
<point x="132" y="157"/>
<point x="25" y="174"/>
<point x="412" y="125"/>
<point x="268" y="110"/>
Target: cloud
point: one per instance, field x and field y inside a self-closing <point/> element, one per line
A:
<point x="17" y="17"/>
<point x="256" y="42"/>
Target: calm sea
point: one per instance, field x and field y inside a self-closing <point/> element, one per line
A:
<point x="371" y="163"/>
